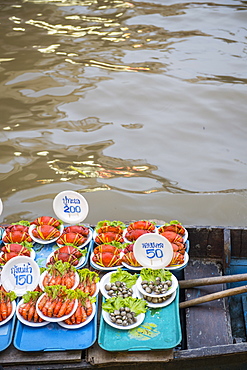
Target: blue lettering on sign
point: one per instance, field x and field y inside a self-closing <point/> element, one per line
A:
<point x="69" y="206"/>
<point x="153" y="250"/>
<point x="22" y="274"/>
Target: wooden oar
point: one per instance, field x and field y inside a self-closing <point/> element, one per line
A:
<point x="212" y="280"/>
<point x="213" y="296"/>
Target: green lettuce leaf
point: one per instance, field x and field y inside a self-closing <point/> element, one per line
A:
<point x="124" y="276"/>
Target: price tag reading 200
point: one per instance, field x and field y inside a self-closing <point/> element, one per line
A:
<point x="153" y="250"/>
<point x="70" y="206"/>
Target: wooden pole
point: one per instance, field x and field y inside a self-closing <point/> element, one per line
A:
<point x="213" y="296"/>
<point x="212" y="280"/>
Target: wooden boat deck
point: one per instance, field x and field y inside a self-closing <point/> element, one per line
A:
<point x="214" y="333"/>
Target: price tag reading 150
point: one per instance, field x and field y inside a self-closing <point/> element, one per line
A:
<point x="70" y="207"/>
<point x="20" y="274"/>
<point x="153" y="251"/>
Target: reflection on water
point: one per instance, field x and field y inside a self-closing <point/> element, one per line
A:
<point x="139" y="105"/>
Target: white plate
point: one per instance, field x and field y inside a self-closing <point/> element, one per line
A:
<point x="153" y="251"/>
<point x="13" y="303"/>
<point x="42" y="241"/>
<point x="42" y="276"/>
<point x="20" y="274"/>
<point x="78" y="326"/>
<point x="106" y="280"/>
<point x="176" y="267"/>
<point x="80" y="261"/>
<point x="184" y="236"/>
<point x="98" y="267"/>
<point x="134" y="268"/>
<point x="26" y="322"/>
<point x="170" y="291"/>
<point x="4" y="234"/>
<point x="159" y="305"/>
<point x="140" y="319"/>
<point x="55" y="319"/>
<point x="32" y="254"/>
<point x="89" y="238"/>
<point x="129" y="241"/>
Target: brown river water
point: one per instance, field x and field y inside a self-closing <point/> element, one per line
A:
<point x="140" y="106"/>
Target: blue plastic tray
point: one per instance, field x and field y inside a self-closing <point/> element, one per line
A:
<point x="160" y="329"/>
<point x="53" y="337"/>
<point x="6" y="333"/>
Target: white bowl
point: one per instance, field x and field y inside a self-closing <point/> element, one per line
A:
<point x="42" y="241"/>
<point x="13" y="303"/>
<point x="162" y="304"/>
<point x="140" y="318"/>
<point x="106" y="280"/>
<point x="89" y="238"/>
<point x="26" y="322"/>
<point x="169" y="291"/>
<point x="101" y="268"/>
<point x="55" y="319"/>
<point x="80" y="260"/>
<point x="78" y="326"/>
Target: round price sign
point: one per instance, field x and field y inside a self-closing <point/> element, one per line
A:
<point x="153" y="251"/>
<point x="20" y="274"/>
<point x="1" y="206"/>
<point x="70" y="207"/>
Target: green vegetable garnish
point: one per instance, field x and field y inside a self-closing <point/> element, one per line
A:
<point x="124" y="276"/>
<point x="150" y="274"/>
<point x="135" y="304"/>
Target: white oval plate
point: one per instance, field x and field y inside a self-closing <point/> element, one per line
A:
<point x="80" y="261"/>
<point x="26" y="322"/>
<point x="4" y="233"/>
<point x="176" y="267"/>
<point x="89" y="238"/>
<point x="185" y="235"/>
<point x="140" y="319"/>
<point x="42" y="241"/>
<point x="134" y="268"/>
<point x="78" y="326"/>
<point x="32" y="254"/>
<point x="13" y="303"/>
<point x="98" y="267"/>
<point x="42" y="276"/>
<point x="106" y="280"/>
<point x="129" y="241"/>
<point x="159" y="305"/>
<point x="170" y="291"/>
<point x="55" y="319"/>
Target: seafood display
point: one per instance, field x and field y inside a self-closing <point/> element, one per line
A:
<point x="138" y="228"/>
<point x="17" y="233"/>
<point x="45" y="228"/>
<point x="27" y="307"/>
<point x="109" y="231"/>
<point x="6" y="306"/>
<point x="61" y="273"/>
<point x="8" y="251"/>
<point x="67" y="253"/>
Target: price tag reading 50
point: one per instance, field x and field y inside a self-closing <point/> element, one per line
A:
<point x="20" y="274"/>
<point x="70" y="207"/>
<point x="153" y="251"/>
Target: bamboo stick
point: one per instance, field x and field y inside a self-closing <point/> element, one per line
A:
<point x="212" y="280"/>
<point x="214" y="296"/>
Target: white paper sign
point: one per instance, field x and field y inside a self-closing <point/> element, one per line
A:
<point x="153" y="250"/>
<point x="70" y="207"/>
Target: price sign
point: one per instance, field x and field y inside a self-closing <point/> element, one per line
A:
<point x="1" y="206"/>
<point x="153" y="251"/>
<point x="20" y="274"/>
<point x="70" y="207"/>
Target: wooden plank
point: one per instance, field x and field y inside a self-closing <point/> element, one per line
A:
<point x="207" y="324"/>
<point x="13" y="356"/>
<point x="95" y="355"/>
<point x="206" y="242"/>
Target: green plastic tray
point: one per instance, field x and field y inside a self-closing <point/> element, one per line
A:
<point x="160" y="329"/>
